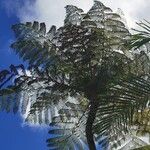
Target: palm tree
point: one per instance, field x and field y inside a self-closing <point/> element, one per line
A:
<point x="81" y="79"/>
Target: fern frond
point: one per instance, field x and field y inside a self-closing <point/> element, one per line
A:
<point x="33" y="42"/>
<point x="69" y="127"/>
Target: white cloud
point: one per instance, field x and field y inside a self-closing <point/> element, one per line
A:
<point x="53" y="11"/>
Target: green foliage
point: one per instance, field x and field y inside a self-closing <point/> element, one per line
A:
<point x="82" y="64"/>
<point x="142" y="36"/>
<point x="143" y="148"/>
<point x="68" y="131"/>
<point x="33" y="43"/>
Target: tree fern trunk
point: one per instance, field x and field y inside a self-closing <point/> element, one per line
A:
<point x="89" y="125"/>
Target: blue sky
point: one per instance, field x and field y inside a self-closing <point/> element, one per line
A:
<point x="15" y="137"/>
<point x="6" y="55"/>
<point x="12" y="135"/>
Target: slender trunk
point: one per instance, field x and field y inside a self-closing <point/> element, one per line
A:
<point x="89" y="125"/>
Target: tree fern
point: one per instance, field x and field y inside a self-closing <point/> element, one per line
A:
<point x="81" y="79"/>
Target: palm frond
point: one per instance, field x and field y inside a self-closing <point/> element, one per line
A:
<point x="116" y="109"/>
<point x="142" y="36"/>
